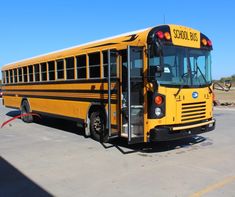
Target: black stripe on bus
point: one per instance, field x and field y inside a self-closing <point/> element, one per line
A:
<point x="65" y="98"/>
<point x="82" y="81"/>
<point x="102" y="45"/>
<point x="60" y="116"/>
<point x="82" y="121"/>
<point x="132" y="38"/>
<point x="61" y="90"/>
<point x="8" y="106"/>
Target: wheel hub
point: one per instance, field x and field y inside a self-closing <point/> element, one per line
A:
<point x="97" y="124"/>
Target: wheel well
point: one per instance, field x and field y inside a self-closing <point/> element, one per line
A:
<point x="94" y="108"/>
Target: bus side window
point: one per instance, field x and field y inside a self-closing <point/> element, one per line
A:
<point x="11" y="76"/>
<point x="20" y="74"/>
<point x="51" y="70"/>
<point x="94" y="65"/>
<point x="25" y="73"/>
<point x="81" y="66"/>
<point x="44" y="71"/>
<point x="105" y="64"/>
<point x="60" y="69"/>
<point x="36" y="72"/>
<point x="70" y="67"/>
<point x="30" y="73"/>
<point x="15" y="75"/>
<point x="7" y="76"/>
<point x="113" y="65"/>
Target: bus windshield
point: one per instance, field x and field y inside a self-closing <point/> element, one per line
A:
<point x="181" y="66"/>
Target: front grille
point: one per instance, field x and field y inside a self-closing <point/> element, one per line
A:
<point x="193" y="111"/>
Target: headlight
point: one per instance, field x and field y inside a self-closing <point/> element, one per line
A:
<point x="158" y="111"/>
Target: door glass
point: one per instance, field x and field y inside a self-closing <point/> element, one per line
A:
<point x="132" y="93"/>
<point x="113" y="109"/>
<point x="136" y="92"/>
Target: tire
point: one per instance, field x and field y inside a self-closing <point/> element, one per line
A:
<point x="25" y="108"/>
<point x="97" y="127"/>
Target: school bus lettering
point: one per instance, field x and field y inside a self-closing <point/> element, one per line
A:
<point x="179" y="34"/>
<point x="193" y="36"/>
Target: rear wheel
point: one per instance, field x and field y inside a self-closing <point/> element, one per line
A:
<point x="25" y="108"/>
<point x="97" y="127"/>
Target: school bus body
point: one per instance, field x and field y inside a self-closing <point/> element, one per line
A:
<point x="76" y="98"/>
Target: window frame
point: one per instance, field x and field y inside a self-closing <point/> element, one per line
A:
<point x="53" y="71"/>
<point x="44" y="74"/>
<point x="82" y="67"/>
<point x="36" y="74"/>
<point x="94" y="66"/>
<point x="15" y="76"/>
<point x="56" y="69"/>
<point x="72" y="68"/>
<point x="30" y="74"/>
<point x="20" y="75"/>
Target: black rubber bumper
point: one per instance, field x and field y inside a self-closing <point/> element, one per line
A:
<point x="166" y="134"/>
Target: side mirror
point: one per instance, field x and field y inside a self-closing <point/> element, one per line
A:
<point x="155" y="70"/>
<point x="159" y="69"/>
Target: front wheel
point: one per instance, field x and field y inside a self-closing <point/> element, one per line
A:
<point x="25" y="108"/>
<point x="97" y="127"/>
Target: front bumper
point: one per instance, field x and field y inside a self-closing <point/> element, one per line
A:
<point x="166" y="133"/>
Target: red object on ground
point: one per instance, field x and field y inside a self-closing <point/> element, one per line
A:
<point x="19" y="116"/>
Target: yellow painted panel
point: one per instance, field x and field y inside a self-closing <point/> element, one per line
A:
<point x="174" y="105"/>
<point x="185" y="36"/>
<point x="73" y="109"/>
<point x="12" y="101"/>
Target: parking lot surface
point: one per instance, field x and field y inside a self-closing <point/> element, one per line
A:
<point x="53" y="158"/>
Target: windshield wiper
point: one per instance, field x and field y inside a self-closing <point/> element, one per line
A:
<point x="185" y="74"/>
<point x="203" y="77"/>
<point x="180" y="88"/>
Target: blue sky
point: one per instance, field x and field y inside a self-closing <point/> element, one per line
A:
<point x="29" y="28"/>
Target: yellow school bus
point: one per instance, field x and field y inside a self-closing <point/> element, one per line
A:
<point x="148" y="85"/>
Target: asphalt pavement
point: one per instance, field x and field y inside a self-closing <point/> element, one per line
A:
<point x="52" y="157"/>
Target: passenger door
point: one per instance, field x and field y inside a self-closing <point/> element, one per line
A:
<point x="132" y="96"/>
<point x="113" y="122"/>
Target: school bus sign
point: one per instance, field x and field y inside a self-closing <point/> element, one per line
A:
<point x="185" y="36"/>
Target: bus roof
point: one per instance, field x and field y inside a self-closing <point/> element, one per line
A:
<point x="6" y="66"/>
<point x="112" y="41"/>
